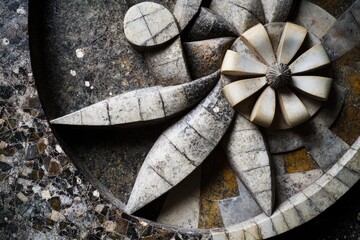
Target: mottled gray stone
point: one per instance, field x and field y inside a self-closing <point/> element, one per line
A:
<point x="319" y="197"/>
<point x="142" y="105"/>
<point x="333" y="186"/>
<point x="205" y="57"/>
<point x="304" y="207"/>
<point x="182" y="209"/>
<point x="240" y="47"/>
<point x="275" y="31"/>
<point x="238" y="209"/>
<point x="324" y="146"/>
<point x="279" y="222"/>
<point x="149" y="24"/>
<point x="179" y="150"/>
<point x="168" y="64"/>
<point x="291" y="216"/>
<point x="345" y="175"/>
<point x="290" y="184"/>
<point x="248" y="156"/>
<point x="209" y="25"/>
<point x="266" y="226"/>
<point x="344" y="35"/>
<point x="238" y="16"/>
<point x="185" y="11"/>
<point x="314" y="18"/>
<point x="276" y="10"/>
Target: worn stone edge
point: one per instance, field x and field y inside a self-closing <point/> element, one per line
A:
<point x="290" y="214"/>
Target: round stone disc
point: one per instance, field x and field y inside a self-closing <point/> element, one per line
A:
<point x="149" y="24"/>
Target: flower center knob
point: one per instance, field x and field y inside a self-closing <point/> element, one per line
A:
<point x="278" y="75"/>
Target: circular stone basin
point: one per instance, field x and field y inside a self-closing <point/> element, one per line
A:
<point x="81" y="56"/>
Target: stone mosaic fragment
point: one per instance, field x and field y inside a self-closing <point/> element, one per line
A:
<point x="319" y="197"/>
<point x="236" y="15"/>
<point x="149" y="24"/>
<point x="168" y="64"/>
<point x="205" y="57"/>
<point x="314" y="18"/>
<point x="304" y="206"/>
<point x="185" y="11"/>
<point x="209" y="25"/>
<point x="277" y="10"/>
<point x="179" y="150"/>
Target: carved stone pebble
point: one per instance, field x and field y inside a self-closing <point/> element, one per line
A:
<point x="149" y="24"/>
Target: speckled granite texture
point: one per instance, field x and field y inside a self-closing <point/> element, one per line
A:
<point x="43" y="196"/>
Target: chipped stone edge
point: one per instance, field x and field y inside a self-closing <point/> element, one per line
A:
<point x="300" y="208"/>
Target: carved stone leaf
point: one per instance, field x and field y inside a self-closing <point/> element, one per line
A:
<point x="142" y="105"/>
<point x="181" y="148"/>
<point x="249" y="158"/>
<point x="185" y="11"/>
<point x="276" y="10"/>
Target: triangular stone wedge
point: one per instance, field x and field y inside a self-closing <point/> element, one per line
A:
<point x="181" y="149"/>
<point x="263" y="112"/>
<point x="258" y="39"/>
<point x="247" y="154"/>
<point x="209" y="25"/>
<point x="143" y="105"/>
<point x="238" y="91"/>
<point x="185" y="11"/>
<point x="316" y="57"/>
<point x="236" y="64"/>
<point x="291" y="40"/>
<point x="293" y="110"/>
<point x="313" y="86"/>
<point x="276" y="10"/>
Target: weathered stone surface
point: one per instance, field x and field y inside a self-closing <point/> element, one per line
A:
<point x="344" y="35"/>
<point x="238" y="209"/>
<point x="149" y="24"/>
<point x="185" y="11"/>
<point x="180" y="149"/>
<point x="264" y="109"/>
<point x="248" y="156"/>
<point x="314" y="18"/>
<point x="240" y="47"/>
<point x="277" y="10"/>
<point x="313" y="86"/>
<point x="205" y="57"/>
<point x="142" y="105"/>
<point x="238" y="16"/>
<point x="182" y="205"/>
<point x="290" y="184"/>
<point x="168" y="64"/>
<point x="209" y="25"/>
<point x="304" y="207"/>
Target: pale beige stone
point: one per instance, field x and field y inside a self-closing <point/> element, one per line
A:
<point x="316" y="57"/>
<point x="236" y="64"/>
<point x="314" y="86"/>
<point x="290" y="215"/>
<point x="263" y="112"/>
<point x="319" y="197"/>
<point x="259" y="40"/>
<point x="279" y="222"/>
<point x="265" y="225"/>
<point x="238" y="91"/>
<point x="291" y="40"/>
<point x="185" y="11"/>
<point x="304" y="207"/>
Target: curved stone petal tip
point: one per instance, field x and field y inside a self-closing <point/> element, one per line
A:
<point x="143" y="105"/>
<point x="181" y="149"/>
<point x="247" y="154"/>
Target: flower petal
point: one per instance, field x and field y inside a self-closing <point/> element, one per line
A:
<point x="180" y="149"/>
<point x="312" y="105"/>
<point x="314" y="86"/>
<point x="142" y="105"/>
<point x="238" y="91"/>
<point x="292" y="108"/>
<point x="259" y="40"/>
<point x="276" y="10"/>
<point x="291" y="40"/>
<point x="316" y="57"/>
<point x="264" y="110"/>
<point x="236" y="64"/>
<point x="248" y="156"/>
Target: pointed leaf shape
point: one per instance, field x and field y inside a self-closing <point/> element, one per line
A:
<point x="258" y="39"/>
<point x="180" y="149"/>
<point x="238" y="91"/>
<point x="209" y="25"/>
<point x="291" y="40"/>
<point x="248" y="156"/>
<point x="236" y="64"/>
<point x="292" y="108"/>
<point x="276" y="10"/>
<point x="313" y="86"/>
<point x="264" y="110"/>
<point x="185" y="11"/>
<point x="316" y="57"/>
<point x="141" y="105"/>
